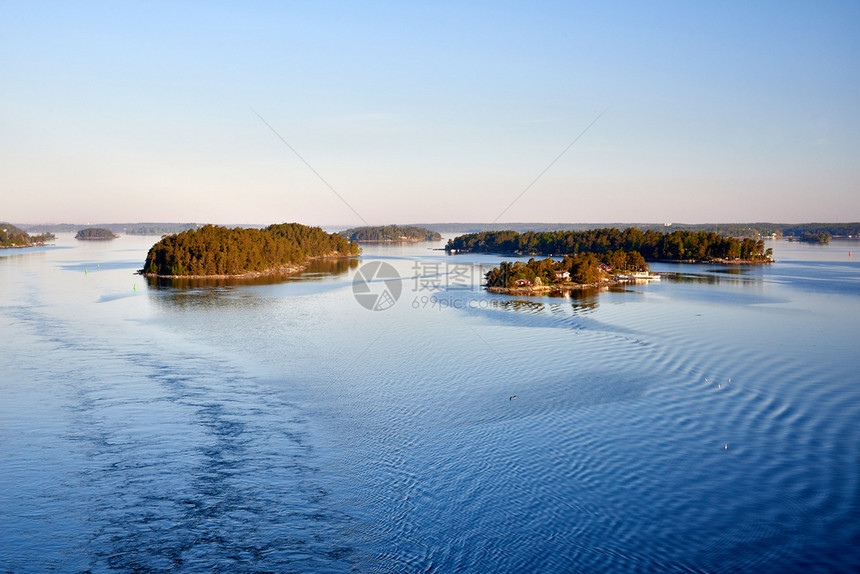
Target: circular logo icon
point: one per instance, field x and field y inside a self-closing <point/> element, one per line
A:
<point x="377" y="285"/>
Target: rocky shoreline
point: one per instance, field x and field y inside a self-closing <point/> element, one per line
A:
<point x="282" y="270"/>
<point x="563" y="287"/>
<point x="766" y="261"/>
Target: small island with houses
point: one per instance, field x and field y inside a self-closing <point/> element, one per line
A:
<point x="573" y="272"/>
<point x="12" y="236"/>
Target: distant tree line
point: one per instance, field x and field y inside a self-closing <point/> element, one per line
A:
<point x="583" y="268"/>
<point x="391" y="233"/>
<point x="158" y="228"/>
<point x="751" y="230"/>
<point x="95" y="233"/>
<point x="816" y="230"/>
<point x="755" y="230"/>
<point x="216" y="250"/>
<point x="11" y="236"/>
<point x="125" y="228"/>
<point x="651" y="245"/>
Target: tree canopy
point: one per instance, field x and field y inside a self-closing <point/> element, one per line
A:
<point x="391" y="233"/>
<point x="216" y="250"/>
<point x="652" y="245"/>
<point x="583" y="268"/>
<point x="95" y="233"/>
<point x="12" y="236"/>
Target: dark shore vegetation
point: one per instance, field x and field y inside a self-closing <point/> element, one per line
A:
<point x="96" y="233"/>
<point x="651" y="245"/>
<point x="221" y="251"/>
<point x="812" y="237"/>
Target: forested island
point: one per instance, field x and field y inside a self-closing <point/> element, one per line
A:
<point x="95" y="234"/>
<point x="12" y="236"/>
<point x="812" y="237"/>
<point x="216" y="251"/>
<point x="677" y="246"/>
<point x="390" y="233"/>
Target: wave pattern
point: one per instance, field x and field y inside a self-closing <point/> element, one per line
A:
<point x="172" y="462"/>
<point x="651" y="438"/>
<point x="708" y="424"/>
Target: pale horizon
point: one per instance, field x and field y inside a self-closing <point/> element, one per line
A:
<point x="380" y="113"/>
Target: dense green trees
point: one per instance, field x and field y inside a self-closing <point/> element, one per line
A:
<point x="805" y="231"/>
<point x="216" y="250"/>
<point x="391" y="233"/>
<point x="11" y="236"/>
<point x="96" y="233"/>
<point x="810" y="237"/>
<point x="651" y="245"/>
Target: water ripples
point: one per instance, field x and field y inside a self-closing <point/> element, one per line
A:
<point x="174" y="462"/>
<point x="689" y="462"/>
<point x="685" y="427"/>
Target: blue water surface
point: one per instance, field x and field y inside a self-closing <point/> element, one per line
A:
<point x="707" y="422"/>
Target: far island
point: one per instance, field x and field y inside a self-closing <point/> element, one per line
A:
<point x="599" y="257"/>
<point x="95" y="234"/>
<point x="214" y="251"/>
<point x="390" y="233"/>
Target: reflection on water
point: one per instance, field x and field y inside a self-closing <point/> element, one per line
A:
<point x="733" y="270"/>
<point x="580" y="304"/>
<point x="243" y="291"/>
<point x="322" y="268"/>
<point x="583" y="302"/>
<point x="521" y="306"/>
<point x="736" y="275"/>
<point x="316" y="269"/>
<point x="92" y="265"/>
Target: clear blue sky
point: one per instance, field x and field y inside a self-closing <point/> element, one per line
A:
<point x="433" y="111"/>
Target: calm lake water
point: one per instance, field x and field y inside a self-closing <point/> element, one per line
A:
<point x="708" y="422"/>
